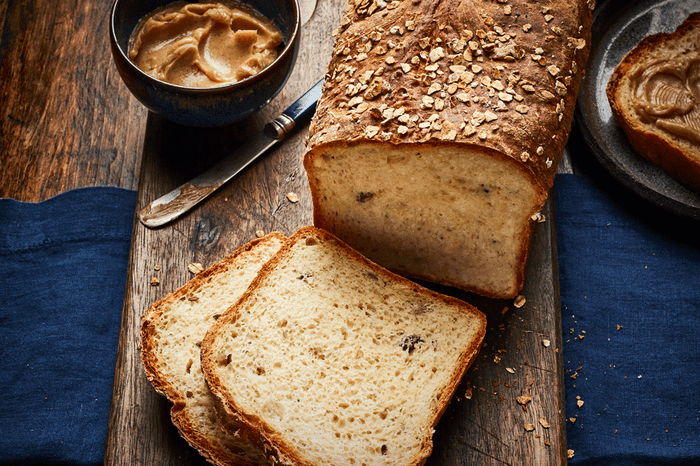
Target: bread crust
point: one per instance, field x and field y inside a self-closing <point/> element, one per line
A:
<point x="412" y="50"/>
<point x="662" y="149"/>
<point x="277" y="449"/>
<point x="150" y="357"/>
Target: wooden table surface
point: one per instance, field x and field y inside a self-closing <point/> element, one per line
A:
<point x="68" y="121"/>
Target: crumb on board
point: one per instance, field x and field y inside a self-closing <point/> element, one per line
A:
<point x="195" y="268"/>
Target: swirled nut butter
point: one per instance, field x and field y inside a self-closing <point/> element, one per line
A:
<point x="667" y="94"/>
<point x="204" y="44"/>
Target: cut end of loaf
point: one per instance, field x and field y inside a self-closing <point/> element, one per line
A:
<point x="419" y="212"/>
<point x="334" y="360"/>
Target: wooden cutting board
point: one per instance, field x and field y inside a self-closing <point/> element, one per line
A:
<point x="484" y="423"/>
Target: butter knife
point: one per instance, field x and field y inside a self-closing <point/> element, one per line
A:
<point x="172" y="205"/>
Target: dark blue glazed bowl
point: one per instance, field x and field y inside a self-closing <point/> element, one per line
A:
<point x="206" y="107"/>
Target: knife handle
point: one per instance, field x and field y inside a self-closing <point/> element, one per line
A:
<point x="298" y="112"/>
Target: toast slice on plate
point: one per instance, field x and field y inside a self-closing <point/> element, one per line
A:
<point x="654" y="93"/>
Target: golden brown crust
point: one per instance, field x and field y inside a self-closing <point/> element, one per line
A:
<point x="484" y="74"/>
<point x="277" y="449"/>
<point x="650" y="143"/>
<point x="150" y="357"/>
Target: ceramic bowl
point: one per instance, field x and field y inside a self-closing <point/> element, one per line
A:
<point x="205" y="107"/>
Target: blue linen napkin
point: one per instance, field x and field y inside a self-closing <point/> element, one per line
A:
<point x="630" y="298"/>
<point x="63" y="268"/>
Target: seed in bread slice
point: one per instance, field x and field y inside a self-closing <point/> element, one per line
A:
<point x="332" y="360"/>
<point x="654" y="93"/>
<point x="171" y="334"/>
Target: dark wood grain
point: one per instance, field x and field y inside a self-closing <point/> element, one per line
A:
<point x="66" y="119"/>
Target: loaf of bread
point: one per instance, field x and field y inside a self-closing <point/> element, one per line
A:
<point x="333" y="360"/>
<point x="171" y="335"/>
<point x="655" y="98"/>
<point x="439" y="131"/>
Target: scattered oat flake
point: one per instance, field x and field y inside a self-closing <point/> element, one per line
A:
<point x="292" y="197"/>
<point x="529" y="427"/>
<point x="155" y="281"/>
<point x="195" y="268"/>
<point x="371" y="131"/>
<point x="546" y="343"/>
<point x="544" y="423"/>
<point x="519" y="301"/>
<point x="509" y="369"/>
<point x="259" y="233"/>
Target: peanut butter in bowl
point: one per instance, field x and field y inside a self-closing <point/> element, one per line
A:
<point x="204" y="44"/>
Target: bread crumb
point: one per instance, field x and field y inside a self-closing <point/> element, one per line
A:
<point x="469" y="391"/>
<point x="157" y="268"/>
<point x="195" y="268"/>
<point x="579" y="403"/>
<point x="523" y="399"/>
<point x="569" y="453"/>
<point x="155" y="281"/>
<point x="259" y="233"/>
<point x="292" y="197"/>
<point x="529" y="427"/>
<point x="546" y="343"/>
<point x="544" y="423"/>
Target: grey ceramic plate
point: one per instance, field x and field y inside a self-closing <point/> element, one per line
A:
<point x="617" y="27"/>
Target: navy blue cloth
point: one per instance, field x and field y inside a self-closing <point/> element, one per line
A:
<point x="630" y="299"/>
<point x="63" y="268"/>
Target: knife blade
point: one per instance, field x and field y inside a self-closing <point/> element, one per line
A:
<point x="175" y="203"/>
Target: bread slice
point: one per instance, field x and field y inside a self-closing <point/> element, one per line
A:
<point x="439" y="131"/>
<point x="333" y="360"/>
<point x="654" y="96"/>
<point x="171" y="334"/>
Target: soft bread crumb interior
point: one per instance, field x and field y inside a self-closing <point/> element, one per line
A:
<point x="347" y="367"/>
<point x="448" y="215"/>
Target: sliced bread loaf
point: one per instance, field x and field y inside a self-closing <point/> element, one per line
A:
<point x="655" y="97"/>
<point x="171" y="334"/>
<point x="439" y="131"/>
<point x="332" y="360"/>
